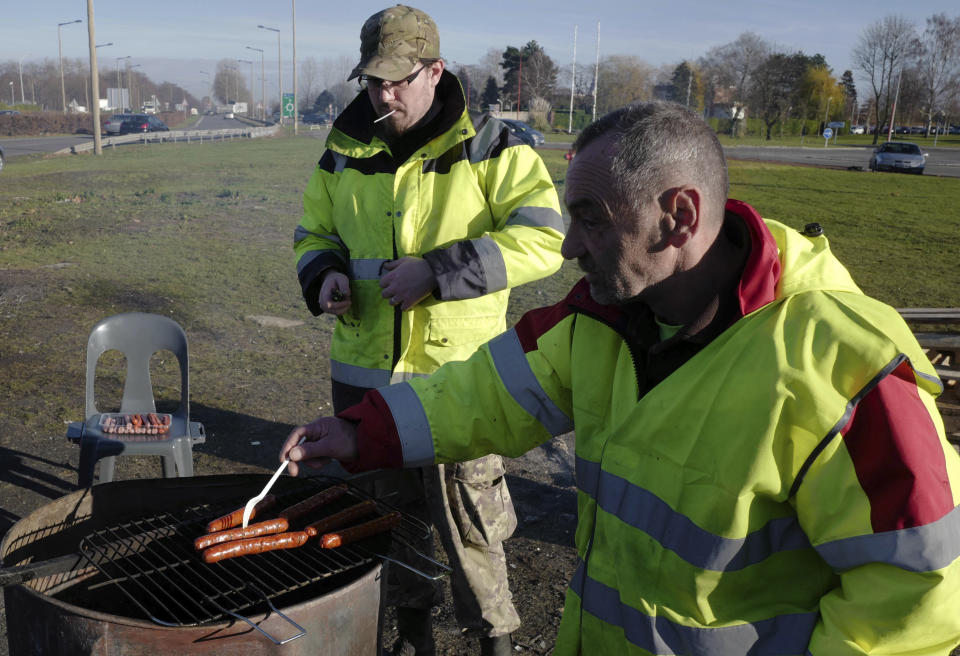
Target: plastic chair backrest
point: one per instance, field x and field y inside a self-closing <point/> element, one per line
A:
<point x="138" y="336"/>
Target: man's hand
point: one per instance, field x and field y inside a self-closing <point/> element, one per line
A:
<point x="327" y="438"/>
<point x="407" y="282"/>
<point x="335" y="293"/>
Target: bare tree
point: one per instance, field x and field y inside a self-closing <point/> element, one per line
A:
<point x="732" y="65"/>
<point x="622" y="80"/>
<point x="776" y="87"/>
<point x="308" y="79"/>
<point x="938" y="63"/>
<point x="881" y="53"/>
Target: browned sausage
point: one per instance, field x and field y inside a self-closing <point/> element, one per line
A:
<point x="236" y="517"/>
<point x="361" y="531"/>
<point x="298" y="510"/>
<point x="343" y="518"/>
<point x="268" y="527"/>
<point x="254" y="546"/>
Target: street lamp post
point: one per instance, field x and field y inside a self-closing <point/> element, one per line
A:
<point x="90" y="86"/>
<point x="209" y="86"/>
<point x="279" y="68"/>
<point x="13" y="100"/>
<point x="130" y="84"/>
<point x="63" y="93"/>
<point x="293" y="40"/>
<point x="120" y="81"/>
<point x="23" y="98"/>
<point x="250" y="91"/>
<point x="263" y="101"/>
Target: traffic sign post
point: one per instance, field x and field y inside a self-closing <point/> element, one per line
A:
<point x="287" y="109"/>
<point x="827" y="133"/>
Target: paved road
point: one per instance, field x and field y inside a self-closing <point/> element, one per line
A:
<point x="941" y="161"/>
<point x="15" y="146"/>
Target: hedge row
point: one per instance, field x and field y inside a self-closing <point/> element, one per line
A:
<point x="48" y="123"/>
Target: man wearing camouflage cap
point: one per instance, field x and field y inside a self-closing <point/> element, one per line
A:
<point x="417" y="222"/>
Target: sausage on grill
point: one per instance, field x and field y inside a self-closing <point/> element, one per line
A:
<point x="308" y="505"/>
<point x="343" y="518"/>
<point x="236" y="517"/>
<point x="361" y="531"/>
<point x="254" y="546"/>
<point x="278" y="525"/>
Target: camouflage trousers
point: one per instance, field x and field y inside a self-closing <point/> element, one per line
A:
<point x="469" y="506"/>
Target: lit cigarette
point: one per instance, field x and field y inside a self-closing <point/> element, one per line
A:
<point x="385" y="116"/>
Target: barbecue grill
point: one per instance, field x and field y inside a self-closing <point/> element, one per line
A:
<point x="127" y="549"/>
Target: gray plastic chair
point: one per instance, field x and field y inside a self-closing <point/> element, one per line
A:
<point x="138" y="336"/>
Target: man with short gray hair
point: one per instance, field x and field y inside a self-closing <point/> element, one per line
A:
<point x="761" y="467"/>
<point x="417" y="222"/>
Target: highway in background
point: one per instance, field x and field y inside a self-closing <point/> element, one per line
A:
<point x="15" y="146"/>
<point x="940" y="161"/>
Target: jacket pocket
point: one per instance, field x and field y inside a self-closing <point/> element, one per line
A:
<point x="480" y="501"/>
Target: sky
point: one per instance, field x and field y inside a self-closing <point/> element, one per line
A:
<point x="176" y="39"/>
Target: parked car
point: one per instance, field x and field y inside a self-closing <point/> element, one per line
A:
<point x="143" y="123"/>
<point x="112" y="124"/>
<point x="317" y="119"/>
<point x="8" y="112"/>
<point x="1" y="159"/>
<point x="898" y="156"/>
<point x="526" y="133"/>
<point x="857" y="129"/>
<point x="228" y="115"/>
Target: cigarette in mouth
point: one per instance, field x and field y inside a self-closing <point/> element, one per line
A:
<point x="384" y="116"/>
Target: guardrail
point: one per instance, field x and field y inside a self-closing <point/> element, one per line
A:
<point x="173" y="136"/>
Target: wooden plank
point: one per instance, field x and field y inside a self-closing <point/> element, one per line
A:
<point x="939" y="341"/>
<point x="930" y="315"/>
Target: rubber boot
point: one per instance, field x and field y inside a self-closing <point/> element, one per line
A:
<point x="496" y="646"/>
<point x="415" y="629"/>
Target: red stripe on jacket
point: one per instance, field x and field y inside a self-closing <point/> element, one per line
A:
<point x="897" y="455"/>
<point x="378" y="442"/>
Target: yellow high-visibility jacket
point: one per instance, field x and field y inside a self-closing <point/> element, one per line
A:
<point x="473" y="201"/>
<point x="787" y="490"/>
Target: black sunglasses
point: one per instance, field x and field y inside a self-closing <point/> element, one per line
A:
<point x="370" y="80"/>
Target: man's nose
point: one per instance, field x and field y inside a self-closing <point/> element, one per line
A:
<point x="386" y="92"/>
<point x="571" y="248"/>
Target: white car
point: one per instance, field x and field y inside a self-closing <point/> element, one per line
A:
<point x="228" y="115"/>
<point x="857" y="129"/>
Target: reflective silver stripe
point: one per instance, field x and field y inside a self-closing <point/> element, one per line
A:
<point x="783" y="634"/>
<point x="351" y="374"/>
<point x="642" y="509"/>
<point x="517" y="376"/>
<point x="924" y="548"/>
<point x="537" y="217"/>
<point x="491" y="259"/>
<point x="302" y="233"/>
<point x="412" y="424"/>
<point x="366" y="269"/>
<point x="339" y="162"/>
<point x="310" y="256"/>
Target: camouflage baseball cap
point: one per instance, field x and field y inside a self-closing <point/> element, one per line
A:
<point x="392" y="41"/>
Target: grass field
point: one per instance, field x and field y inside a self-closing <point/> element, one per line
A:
<point x="203" y="233"/>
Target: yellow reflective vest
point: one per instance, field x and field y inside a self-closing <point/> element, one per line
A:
<point x="475" y="202"/>
<point x="787" y="490"/>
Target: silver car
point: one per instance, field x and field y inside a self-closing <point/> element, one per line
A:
<point x="112" y="124"/>
<point x="898" y="156"/>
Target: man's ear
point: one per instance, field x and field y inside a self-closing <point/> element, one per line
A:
<point x="683" y="205"/>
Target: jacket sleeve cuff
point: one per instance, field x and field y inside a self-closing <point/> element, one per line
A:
<point x="378" y="443"/>
<point x="311" y="277"/>
<point x="467" y="269"/>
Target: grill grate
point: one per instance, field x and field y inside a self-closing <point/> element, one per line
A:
<point x="153" y="562"/>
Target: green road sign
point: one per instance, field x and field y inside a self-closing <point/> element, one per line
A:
<point x="288" y="104"/>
